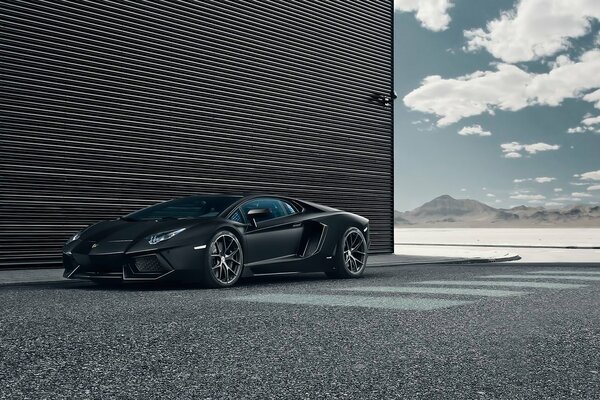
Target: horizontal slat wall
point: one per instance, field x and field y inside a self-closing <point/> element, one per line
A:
<point x="110" y="106"/>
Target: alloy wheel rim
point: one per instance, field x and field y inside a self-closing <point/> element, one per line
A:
<point x="354" y="252"/>
<point x="226" y="258"/>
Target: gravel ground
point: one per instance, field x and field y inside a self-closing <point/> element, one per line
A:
<point x="75" y="340"/>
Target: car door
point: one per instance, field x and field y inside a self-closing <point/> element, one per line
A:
<point x="274" y="236"/>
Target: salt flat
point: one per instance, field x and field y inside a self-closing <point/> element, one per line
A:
<point x="434" y="242"/>
<point x="556" y="237"/>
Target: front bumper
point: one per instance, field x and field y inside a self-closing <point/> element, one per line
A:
<point x="109" y="260"/>
<point x="147" y="267"/>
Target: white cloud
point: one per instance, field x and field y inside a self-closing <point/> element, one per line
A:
<point x="463" y="190"/>
<point x="589" y="123"/>
<point x="590" y="176"/>
<point x="553" y="204"/>
<point x="528" y="197"/>
<point x="578" y="195"/>
<point x="475" y="130"/>
<point x="564" y="199"/>
<point x="540" y="179"/>
<point x="534" y="29"/>
<point x="591" y="120"/>
<point x="513" y="154"/>
<point x="594" y="187"/>
<point x="508" y="88"/>
<point x="581" y="129"/>
<point x="535" y="201"/>
<point x="512" y="149"/>
<point x="433" y="14"/>
<point x="593" y="97"/>
<point x="490" y="195"/>
<point x="469" y="95"/>
<point x="544" y="179"/>
<point x="578" y="183"/>
<point x="558" y="190"/>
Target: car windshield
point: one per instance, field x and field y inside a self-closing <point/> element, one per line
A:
<point x="188" y="207"/>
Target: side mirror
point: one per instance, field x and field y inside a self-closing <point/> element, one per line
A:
<point x="258" y="213"/>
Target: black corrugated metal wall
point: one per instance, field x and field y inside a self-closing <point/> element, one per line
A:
<point x="110" y="106"/>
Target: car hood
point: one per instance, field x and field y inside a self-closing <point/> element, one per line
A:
<point x="123" y="236"/>
<point x="125" y="230"/>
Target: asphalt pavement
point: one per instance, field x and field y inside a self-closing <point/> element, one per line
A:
<point x="476" y="331"/>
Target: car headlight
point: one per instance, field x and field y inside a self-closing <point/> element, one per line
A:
<point x="162" y="236"/>
<point x="74" y="237"/>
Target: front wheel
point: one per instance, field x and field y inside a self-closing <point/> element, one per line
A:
<point x="225" y="260"/>
<point x="351" y="260"/>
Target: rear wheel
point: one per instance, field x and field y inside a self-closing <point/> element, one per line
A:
<point x="351" y="260"/>
<point x="225" y="260"/>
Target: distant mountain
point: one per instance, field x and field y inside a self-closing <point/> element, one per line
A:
<point x="398" y="220"/>
<point x="448" y="206"/>
<point x="446" y="211"/>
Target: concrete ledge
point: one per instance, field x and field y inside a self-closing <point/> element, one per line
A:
<point x="390" y="260"/>
<point x="32" y="276"/>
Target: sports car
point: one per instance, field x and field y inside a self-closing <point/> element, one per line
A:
<point x="216" y="239"/>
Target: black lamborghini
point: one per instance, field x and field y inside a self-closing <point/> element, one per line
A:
<point x="216" y="239"/>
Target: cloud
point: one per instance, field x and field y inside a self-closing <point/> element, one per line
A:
<point x="513" y="154"/>
<point x="544" y="179"/>
<point x="528" y="197"/>
<point x="433" y="14"/>
<point x="557" y="190"/>
<point x="593" y="97"/>
<point x="512" y="149"/>
<point x="581" y="129"/>
<point x="508" y="88"/>
<point x="540" y="179"/>
<point x="490" y="195"/>
<point x="594" y="187"/>
<point x="463" y="190"/>
<point x="553" y="204"/>
<point x="591" y="120"/>
<point x="590" y="176"/>
<point x="474" y="94"/>
<point x="578" y="194"/>
<point x="534" y="29"/>
<point x="475" y="130"/>
<point x="587" y="125"/>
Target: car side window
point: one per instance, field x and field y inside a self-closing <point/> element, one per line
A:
<point x="277" y="208"/>
<point x="236" y="216"/>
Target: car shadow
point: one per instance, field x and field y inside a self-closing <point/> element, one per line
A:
<point x="245" y="282"/>
<point x="164" y="286"/>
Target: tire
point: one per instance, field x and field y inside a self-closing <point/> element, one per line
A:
<point x="350" y="265"/>
<point x="224" y="261"/>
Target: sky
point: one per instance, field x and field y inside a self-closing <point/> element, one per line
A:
<point x="498" y="101"/>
